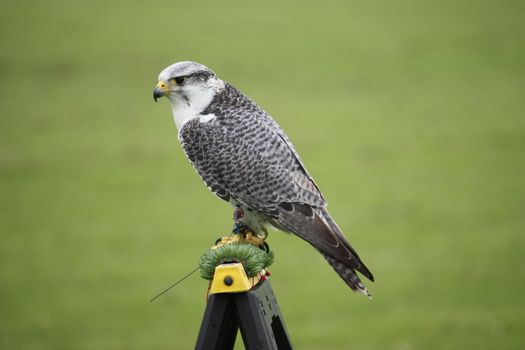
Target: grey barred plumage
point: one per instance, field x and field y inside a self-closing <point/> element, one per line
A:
<point x="245" y="158"/>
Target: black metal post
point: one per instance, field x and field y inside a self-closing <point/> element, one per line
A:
<point x="255" y="312"/>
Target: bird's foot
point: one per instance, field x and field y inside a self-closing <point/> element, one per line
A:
<point x="245" y="234"/>
<point x="231" y="239"/>
<point x="252" y="238"/>
<point x="241" y="233"/>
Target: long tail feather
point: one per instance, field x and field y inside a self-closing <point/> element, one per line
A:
<point x="316" y="226"/>
<point x="348" y="275"/>
<point x="359" y="265"/>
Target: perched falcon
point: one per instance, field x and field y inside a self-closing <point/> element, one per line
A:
<point x="245" y="158"/>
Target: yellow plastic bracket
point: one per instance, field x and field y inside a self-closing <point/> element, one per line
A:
<point x="231" y="278"/>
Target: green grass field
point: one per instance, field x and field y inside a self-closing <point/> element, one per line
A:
<point x="410" y="116"/>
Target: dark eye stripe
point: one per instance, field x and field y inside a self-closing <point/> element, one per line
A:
<point x="199" y="75"/>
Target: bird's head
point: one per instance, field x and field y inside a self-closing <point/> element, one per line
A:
<point x="190" y="87"/>
<point x="187" y="82"/>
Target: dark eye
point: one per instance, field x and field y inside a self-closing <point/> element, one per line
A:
<point x="180" y="80"/>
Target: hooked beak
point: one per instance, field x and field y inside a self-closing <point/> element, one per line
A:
<point x="160" y="90"/>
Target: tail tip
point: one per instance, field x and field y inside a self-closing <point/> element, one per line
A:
<point x="362" y="290"/>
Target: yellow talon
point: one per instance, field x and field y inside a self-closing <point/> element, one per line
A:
<point x="252" y="238"/>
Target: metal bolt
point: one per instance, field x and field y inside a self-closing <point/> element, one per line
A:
<point x="228" y="281"/>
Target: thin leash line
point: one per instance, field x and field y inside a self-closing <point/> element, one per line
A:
<point x="183" y="278"/>
<point x="174" y="284"/>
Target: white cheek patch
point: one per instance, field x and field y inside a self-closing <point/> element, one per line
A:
<point x="206" y="118"/>
<point x="192" y="100"/>
<point x="182" y="113"/>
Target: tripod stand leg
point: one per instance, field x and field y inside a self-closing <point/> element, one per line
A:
<point x="260" y="319"/>
<point x="219" y="325"/>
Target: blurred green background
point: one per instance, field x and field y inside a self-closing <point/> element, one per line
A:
<point x="409" y="114"/>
